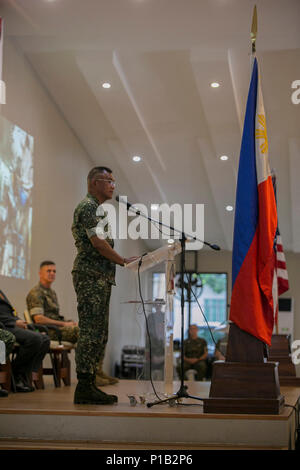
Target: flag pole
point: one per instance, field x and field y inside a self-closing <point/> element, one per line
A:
<point x="274" y="186"/>
<point x="254" y="30"/>
<point x="233" y="389"/>
<point x="253" y="35"/>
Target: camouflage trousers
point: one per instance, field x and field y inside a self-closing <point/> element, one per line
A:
<point x="200" y="367"/>
<point x="93" y="297"/>
<point x="69" y="333"/>
<point x="8" y="339"/>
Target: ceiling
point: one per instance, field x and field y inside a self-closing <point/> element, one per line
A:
<point x="160" y="57"/>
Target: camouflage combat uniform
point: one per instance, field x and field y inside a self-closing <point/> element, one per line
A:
<point x="93" y="276"/>
<point x="42" y="300"/>
<point x="195" y="348"/>
<point x="8" y="339"/>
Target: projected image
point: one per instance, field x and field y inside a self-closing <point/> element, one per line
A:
<point x="16" y="183"/>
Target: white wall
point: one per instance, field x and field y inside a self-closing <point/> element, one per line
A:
<point x="60" y="164"/>
<point x="60" y="168"/>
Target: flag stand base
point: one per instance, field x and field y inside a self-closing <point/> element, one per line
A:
<point x="244" y="383"/>
<point x="244" y="388"/>
<point x="280" y="351"/>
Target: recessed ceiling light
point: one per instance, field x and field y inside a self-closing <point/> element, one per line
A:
<point x="106" y="85"/>
<point x="136" y="158"/>
<point x="171" y="241"/>
<point x="229" y="208"/>
<point x="224" y="158"/>
<point x="215" y="85"/>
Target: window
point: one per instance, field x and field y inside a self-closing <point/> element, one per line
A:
<point x="210" y="289"/>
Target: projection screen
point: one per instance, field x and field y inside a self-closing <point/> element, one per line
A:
<point x="16" y="184"/>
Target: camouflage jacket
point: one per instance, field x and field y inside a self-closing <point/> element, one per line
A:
<point x="90" y="219"/>
<point x="194" y="347"/>
<point x="42" y="300"/>
<point x="9" y="340"/>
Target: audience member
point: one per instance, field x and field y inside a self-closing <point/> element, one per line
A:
<point x="7" y="341"/>
<point x="32" y="348"/>
<point x="195" y="354"/>
<point x="43" y="305"/>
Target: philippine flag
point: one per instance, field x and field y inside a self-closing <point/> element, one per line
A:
<point x="254" y="281"/>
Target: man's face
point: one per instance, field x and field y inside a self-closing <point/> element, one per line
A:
<point x="193" y="331"/>
<point x="48" y="273"/>
<point x="105" y="185"/>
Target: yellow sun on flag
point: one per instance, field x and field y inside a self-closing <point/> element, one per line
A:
<point x="262" y="133"/>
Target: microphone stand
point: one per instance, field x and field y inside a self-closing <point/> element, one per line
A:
<point x="182" y="392"/>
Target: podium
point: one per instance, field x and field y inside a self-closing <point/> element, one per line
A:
<point x="167" y="255"/>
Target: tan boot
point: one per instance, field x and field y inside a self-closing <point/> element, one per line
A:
<point x="112" y="380"/>
<point x="100" y="381"/>
<point x="101" y="375"/>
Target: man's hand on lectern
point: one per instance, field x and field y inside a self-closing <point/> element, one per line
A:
<point x="130" y="260"/>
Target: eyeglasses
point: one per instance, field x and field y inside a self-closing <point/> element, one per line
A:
<point x="111" y="182"/>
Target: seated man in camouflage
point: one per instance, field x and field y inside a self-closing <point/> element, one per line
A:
<point x="32" y="346"/>
<point x="7" y="341"/>
<point x="43" y="305"/>
<point x="195" y="354"/>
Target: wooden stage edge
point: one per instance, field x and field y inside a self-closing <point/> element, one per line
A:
<point x="25" y="444"/>
<point x="49" y="419"/>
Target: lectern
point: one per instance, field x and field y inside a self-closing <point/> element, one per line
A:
<point x="167" y="255"/>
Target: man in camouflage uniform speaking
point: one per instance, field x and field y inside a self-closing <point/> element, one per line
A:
<point x="93" y="276"/>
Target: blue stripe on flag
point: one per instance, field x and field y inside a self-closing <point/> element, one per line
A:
<point x="246" y="208"/>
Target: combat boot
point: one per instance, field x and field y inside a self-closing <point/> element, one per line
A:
<point x="102" y="378"/>
<point x="3" y="393"/>
<point x="101" y="394"/>
<point x="86" y="392"/>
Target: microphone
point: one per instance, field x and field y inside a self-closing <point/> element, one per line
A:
<point x="119" y="199"/>
<point x="129" y="206"/>
<point x="141" y="259"/>
<point x="215" y="247"/>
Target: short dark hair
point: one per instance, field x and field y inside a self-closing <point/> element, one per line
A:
<point x="46" y="263"/>
<point x="97" y="169"/>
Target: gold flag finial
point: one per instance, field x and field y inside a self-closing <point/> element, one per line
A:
<point x="254" y="30"/>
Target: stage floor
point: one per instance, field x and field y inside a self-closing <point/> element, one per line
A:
<point x="49" y="416"/>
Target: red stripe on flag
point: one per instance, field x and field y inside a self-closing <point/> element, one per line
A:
<point x="249" y="309"/>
